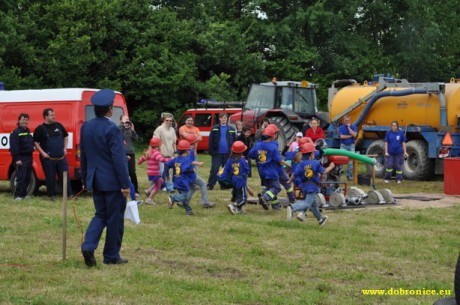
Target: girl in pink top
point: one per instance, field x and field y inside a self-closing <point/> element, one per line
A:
<point x="153" y="157"/>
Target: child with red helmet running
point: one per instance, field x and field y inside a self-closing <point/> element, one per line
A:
<point x="183" y="176"/>
<point x="267" y="158"/>
<point x="198" y="182"/>
<point x="308" y="172"/>
<point x="153" y="157"/>
<point x="236" y="170"/>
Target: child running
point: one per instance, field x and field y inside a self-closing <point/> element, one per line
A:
<point x="198" y="182"/>
<point x="153" y="157"/>
<point x="308" y="172"/>
<point x="183" y="176"/>
<point x="236" y="170"/>
<point x="267" y="157"/>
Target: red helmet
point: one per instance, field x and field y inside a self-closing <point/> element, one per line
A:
<point x="274" y="127"/>
<point x="307" y="148"/>
<point x="303" y="141"/>
<point x="238" y="147"/>
<point x="191" y="138"/>
<point x="183" y="145"/>
<point x="268" y="131"/>
<point x="155" y="141"/>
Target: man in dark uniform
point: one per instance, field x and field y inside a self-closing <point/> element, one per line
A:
<point x="104" y="172"/>
<point x="51" y="140"/>
<point x="221" y="139"/>
<point x="21" y="148"/>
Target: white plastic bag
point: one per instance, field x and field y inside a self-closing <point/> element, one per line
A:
<point x="132" y="212"/>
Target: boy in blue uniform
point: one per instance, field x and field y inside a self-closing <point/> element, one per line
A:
<point x="283" y="175"/>
<point x="198" y="182"/>
<point x="236" y="170"/>
<point x="395" y="152"/>
<point x="267" y="157"/>
<point x="309" y="172"/>
<point x="183" y="176"/>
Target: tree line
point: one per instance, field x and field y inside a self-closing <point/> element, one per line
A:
<point x="165" y="55"/>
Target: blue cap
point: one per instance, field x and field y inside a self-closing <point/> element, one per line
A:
<point x="103" y="98"/>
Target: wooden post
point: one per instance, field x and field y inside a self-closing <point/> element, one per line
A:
<point x="64" y="215"/>
<point x="355" y="172"/>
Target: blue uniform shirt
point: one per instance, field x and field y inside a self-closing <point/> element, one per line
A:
<point x="184" y="174"/>
<point x="267" y="159"/>
<point x="343" y="130"/>
<point x="223" y="146"/>
<point x="395" y="140"/>
<point x="236" y="171"/>
<point x="308" y="172"/>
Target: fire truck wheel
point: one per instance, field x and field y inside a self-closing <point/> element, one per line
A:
<point x="377" y="151"/>
<point x="33" y="185"/>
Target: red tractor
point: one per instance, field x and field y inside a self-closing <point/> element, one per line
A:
<point x="288" y="104"/>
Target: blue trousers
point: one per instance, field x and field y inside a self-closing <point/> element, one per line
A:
<point x="217" y="160"/>
<point x="308" y="203"/>
<point x="23" y="173"/>
<point x="394" y="162"/>
<point x="241" y="196"/>
<point x="182" y="196"/>
<point x="110" y="210"/>
<point x="272" y="188"/>
<point x="51" y="168"/>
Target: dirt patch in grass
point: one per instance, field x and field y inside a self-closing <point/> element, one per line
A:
<point x="422" y="201"/>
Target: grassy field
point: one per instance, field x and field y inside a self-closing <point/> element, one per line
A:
<point x="218" y="258"/>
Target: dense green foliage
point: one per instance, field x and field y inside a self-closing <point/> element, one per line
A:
<point x="164" y="55"/>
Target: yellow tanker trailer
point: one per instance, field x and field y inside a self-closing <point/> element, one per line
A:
<point x="424" y="111"/>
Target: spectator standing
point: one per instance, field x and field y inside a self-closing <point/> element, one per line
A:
<point x="295" y="142"/>
<point x="167" y="135"/>
<point x="314" y="132"/>
<point x="105" y="172"/>
<point x="189" y="128"/>
<point x="395" y="152"/>
<point x="347" y="134"/>
<point x="238" y="128"/>
<point x="50" y="139"/>
<point x="129" y="137"/>
<point x="221" y="139"/>
<point x="21" y="148"/>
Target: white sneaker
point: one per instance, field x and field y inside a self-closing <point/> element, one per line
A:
<point x="289" y="213"/>
<point x="323" y="221"/>
<point x="150" y="201"/>
<point x="301" y="216"/>
<point x="386" y="181"/>
<point x="232" y="208"/>
<point x="399" y="181"/>
<point x="18" y="199"/>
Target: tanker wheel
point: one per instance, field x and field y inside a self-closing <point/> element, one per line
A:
<point x="32" y="189"/>
<point x="418" y="166"/>
<point x="287" y="130"/>
<point x="377" y="148"/>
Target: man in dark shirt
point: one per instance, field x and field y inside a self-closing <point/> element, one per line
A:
<point x="221" y="139"/>
<point x="50" y="139"/>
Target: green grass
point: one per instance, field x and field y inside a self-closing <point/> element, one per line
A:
<point x="218" y="258"/>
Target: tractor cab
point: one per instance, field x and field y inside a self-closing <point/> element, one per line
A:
<point x="287" y="103"/>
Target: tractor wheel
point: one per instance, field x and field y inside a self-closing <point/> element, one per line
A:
<point x="377" y="148"/>
<point x="32" y="189"/>
<point x="287" y="130"/>
<point x="418" y="166"/>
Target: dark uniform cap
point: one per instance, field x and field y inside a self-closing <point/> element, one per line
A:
<point x="103" y="98"/>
